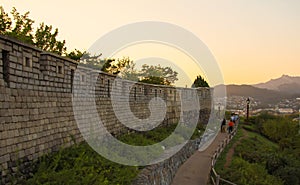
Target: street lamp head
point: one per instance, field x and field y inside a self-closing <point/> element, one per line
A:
<point x="248" y="100"/>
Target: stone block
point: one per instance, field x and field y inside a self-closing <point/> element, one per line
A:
<point x="18" y="73"/>
<point x="5" y="158"/>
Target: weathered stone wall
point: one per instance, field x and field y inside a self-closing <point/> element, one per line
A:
<point x="36" y="110"/>
<point x="164" y="172"/>
<point x="36" y="115"/>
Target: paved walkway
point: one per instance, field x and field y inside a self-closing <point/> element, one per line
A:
<point x="196" y="170"/>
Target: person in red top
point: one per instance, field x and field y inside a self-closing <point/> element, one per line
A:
<point x="230" y="126"/>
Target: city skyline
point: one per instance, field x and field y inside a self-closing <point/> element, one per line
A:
<point x="252" y="42"/>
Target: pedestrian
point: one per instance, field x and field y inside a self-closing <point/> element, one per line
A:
<point x="230" y="126"/>
<point x="223" y="125"/>
<point x="232" y="117"/>
<point x="236" y="117"/>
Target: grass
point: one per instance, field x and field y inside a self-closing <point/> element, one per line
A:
<point x="219" y="166"/>
<point x="263" y="140"/>
<point x="268" y="155"/>
<point x="254" y="141"/>
<point x="160" y="133"/>
<point x="249" y="160"/>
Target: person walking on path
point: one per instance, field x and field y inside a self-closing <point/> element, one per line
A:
<point x="223" y="125"/>
<point x="230" y="126"/>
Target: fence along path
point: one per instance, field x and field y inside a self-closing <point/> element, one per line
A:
<point x="197" y="169"/>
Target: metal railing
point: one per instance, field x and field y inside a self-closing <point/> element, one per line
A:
<point x="214" y="176"/>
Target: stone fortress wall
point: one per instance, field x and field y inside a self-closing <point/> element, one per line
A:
<point x="36" y="111"/>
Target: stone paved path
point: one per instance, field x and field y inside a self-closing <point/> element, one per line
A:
<point x="196" y="170"/>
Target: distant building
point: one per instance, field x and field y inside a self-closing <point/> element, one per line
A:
<point x="266" y="110"/>
<point x="296" y="119"/>
<point x="285" y="110"/>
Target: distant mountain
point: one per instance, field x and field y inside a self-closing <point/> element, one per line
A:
<point x="271" y="92"/>
<point x="286" y="84"/>
<point x="263" y="95"/>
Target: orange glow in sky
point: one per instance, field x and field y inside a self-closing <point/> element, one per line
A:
<point x="253" y="41"/>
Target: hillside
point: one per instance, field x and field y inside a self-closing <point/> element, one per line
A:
<point x="286" y="84"/>
<point x="263" y="95"/>
<point x="256" y="93"/>
<point x="262" y="152"/>
<point x="271" y="92"/>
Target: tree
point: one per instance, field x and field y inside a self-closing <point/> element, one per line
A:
<point x="21" y="28"/>
<point x="115" y="66"/>
<point x="46" y="40"/>
<point x="154" y="80"/>
<point x="158" y="75"/>
<point x="280" y="130"/>
<point x="5" y="22"/>
<point x="108" y="65"/>
<point x="200" y="82"/>
<point x="130" y="72"/>
<point x="75" y="55"/>
<point x="87" y="59"/>
<point x="126" y="68"/>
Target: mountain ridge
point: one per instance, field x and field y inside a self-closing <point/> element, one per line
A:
<point x="270" y="92"/>
<point x="285" y="83"/>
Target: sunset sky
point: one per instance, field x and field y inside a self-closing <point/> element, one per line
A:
<point x="252" y="40"/>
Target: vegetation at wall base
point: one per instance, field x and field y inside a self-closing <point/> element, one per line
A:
<point x="160" y="133"/>
<point x="269" y="154"/>
<point x="80" y="164"/>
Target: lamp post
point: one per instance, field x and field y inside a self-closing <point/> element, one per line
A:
<point x="248" y="102"/>
<point x="299" y="121"/>
<point x="299" y="116"/>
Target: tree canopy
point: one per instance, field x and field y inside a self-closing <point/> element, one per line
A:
<point x="126" y="68"/>
<point x="158" y="75"/>
<point x="108" y="65"/>
<point x="21" y="27"/>
<point x="46" y="40"/>
<point x="200" y="82"/>
<point x="130" y="72"/>
<point x="76" y="55"/>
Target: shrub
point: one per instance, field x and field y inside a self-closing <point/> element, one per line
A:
<point x="243" y="172"/>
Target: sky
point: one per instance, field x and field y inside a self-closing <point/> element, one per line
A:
<point x="251" y="41"/>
